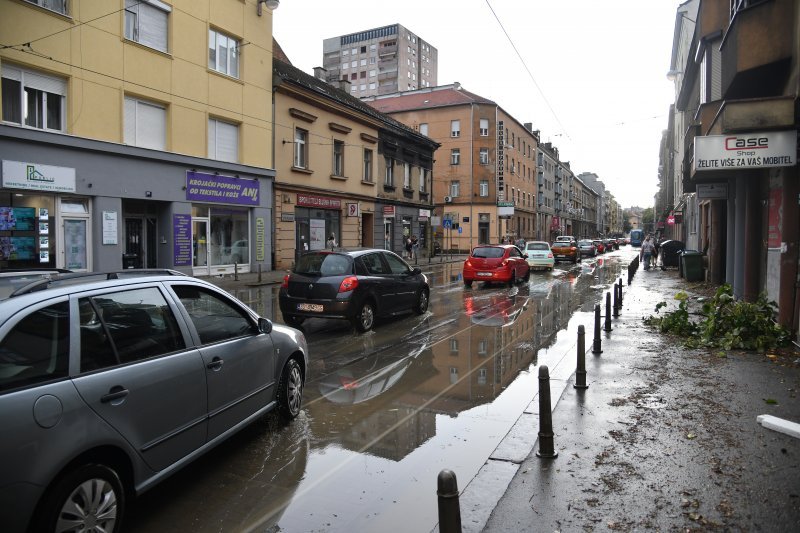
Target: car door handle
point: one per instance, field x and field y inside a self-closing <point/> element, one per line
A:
<point x="115" y="393"/>
<point x="215" y="364"/>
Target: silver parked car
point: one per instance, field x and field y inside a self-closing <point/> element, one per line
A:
<point x="111" y="383"/>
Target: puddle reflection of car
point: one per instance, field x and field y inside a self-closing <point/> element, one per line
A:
<point x="500" y="311"/>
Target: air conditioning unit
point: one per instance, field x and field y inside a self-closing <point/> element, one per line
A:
<point x="448" y="199"/>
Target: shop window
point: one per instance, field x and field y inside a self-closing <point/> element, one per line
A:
<point x="223" y="141"/>
<point x="146" y="23"/>
<point x="228" y="241"/>
<point x="223" y="53"/>
<point x="145" y="124"/>
<point x="33" y="99"/>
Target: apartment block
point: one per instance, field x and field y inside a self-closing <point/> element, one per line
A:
<point x="382" y="60"/>
<point x="136" y="134"/>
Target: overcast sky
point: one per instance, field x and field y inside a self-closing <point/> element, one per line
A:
<point x="597" y="87"/>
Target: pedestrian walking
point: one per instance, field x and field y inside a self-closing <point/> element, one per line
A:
<point x="331" y="243"/>
<point x="646" y="253"/>
<point x="408" y="247"/>
<point x="414" y="245"/>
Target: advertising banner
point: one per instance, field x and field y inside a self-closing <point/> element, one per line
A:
<point x="751" y="150"/>
<point x="35" y="177"/>
<point x="182" y="240"/>
<point x="203" y="187"/>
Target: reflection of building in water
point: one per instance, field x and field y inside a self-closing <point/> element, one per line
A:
<point x="367" y="405"/>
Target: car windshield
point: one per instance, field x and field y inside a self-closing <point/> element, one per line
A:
<point x="488" y="252"/>
<point x="537" y="246"/>
<point x="585" y="243"/>
<point x="323" y="264"/>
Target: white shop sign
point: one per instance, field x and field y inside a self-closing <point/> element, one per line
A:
<point x="751" y="150"/>
<point x="36" y="177"/>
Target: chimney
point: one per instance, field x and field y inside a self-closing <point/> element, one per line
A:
<point x="344" y="84"/>
<point x="529" y="126"/>
<point x="321" y="73"/>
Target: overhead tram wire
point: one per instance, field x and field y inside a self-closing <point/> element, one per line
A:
<point x="522" y="60"/>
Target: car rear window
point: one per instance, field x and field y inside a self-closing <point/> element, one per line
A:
<point x="585" y="243"/>
<point x="324" y="264"/>
<point x="538" y="246"/>
<point x="488" y="252"/>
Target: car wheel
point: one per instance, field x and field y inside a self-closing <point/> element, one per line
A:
<point x="290" y="390"/>
<point x="365" y="318"/>
<point x="88" y="498"/>
<point x="513" y="279"/>
<point x="468" y="283"/>
<point x="422" y="302"/>
<point x="294" y="320"/>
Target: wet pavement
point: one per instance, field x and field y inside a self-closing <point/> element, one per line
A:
<point x="385" y="411"/>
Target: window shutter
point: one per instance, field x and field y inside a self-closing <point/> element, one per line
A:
<point x="130" y="121"/>
<point x="212" y="139"/>
<point x="152" y="27"/>
<point x="227" y="142"/>
<point x="151" y="126"/>
<point x="12" y="73"/>
<point x="46" y="84"/>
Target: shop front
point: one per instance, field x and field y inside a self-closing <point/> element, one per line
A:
<point x="399" y="222"/>
<point x="315" y="219"/>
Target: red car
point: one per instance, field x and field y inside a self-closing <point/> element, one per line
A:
<point x="601" y="248"/>
<point x="503" y="263"/>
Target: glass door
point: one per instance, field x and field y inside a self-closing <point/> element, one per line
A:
<point x="200" y="244"/>
<point x="75" y="244"/>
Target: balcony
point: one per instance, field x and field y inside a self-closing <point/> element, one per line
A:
<point x="757" y="50"/>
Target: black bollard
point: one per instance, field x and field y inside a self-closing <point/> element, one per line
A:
<point x="616" y="301"/>
<point x="236" y="271"/>
<point x="597" y="346"/>
<point x="546" y="448"/>
<point x="580" y="373"/>
<point x="620" y="293"/>
<point x="608" y="312"/>
<point x="449" y="509"/>
<point x="259" y="272"/>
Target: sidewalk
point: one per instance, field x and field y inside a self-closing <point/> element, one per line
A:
<point x="664" y="439"/>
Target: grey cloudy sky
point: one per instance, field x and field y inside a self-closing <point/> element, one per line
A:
<point x="591" y="77"/>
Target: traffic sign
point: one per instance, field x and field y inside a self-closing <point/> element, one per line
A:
<point x="447" y="223"/>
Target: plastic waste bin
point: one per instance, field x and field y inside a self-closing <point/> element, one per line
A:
<point x="692" y="265"/>
<point x="670" y="252"/>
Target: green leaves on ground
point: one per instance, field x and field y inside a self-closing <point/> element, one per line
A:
<point x="725" y="323"/>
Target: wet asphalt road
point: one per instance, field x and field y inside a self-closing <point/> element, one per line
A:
<point x="385" y="411"/>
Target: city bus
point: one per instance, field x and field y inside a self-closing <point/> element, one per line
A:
<point x="637" y="237"/>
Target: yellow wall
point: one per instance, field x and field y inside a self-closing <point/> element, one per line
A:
<point x="101" y="67"/>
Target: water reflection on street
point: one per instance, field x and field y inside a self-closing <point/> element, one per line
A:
<point x="385" y="411"/>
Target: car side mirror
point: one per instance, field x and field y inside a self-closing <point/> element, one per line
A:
<point x="264" y="325"/>
<point x="524" y="256"/>
<point x="415" y="271"/>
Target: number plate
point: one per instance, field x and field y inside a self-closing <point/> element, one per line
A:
<point x="309" y="307"/>
<point x="485" y="274"/>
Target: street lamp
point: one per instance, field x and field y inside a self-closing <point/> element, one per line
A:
<point x="272" y="5"/>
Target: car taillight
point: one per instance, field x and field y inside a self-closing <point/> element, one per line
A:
<point x="573" y="248"/>
<point x="550" y="255"/>
<point x="285" y="284"/>
<point x="348" y="284"/>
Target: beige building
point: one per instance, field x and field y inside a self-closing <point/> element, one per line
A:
<point x="485" y="171"/>
<point x="344" y="169"/>
<point x="381" y="61"/>
<point x="149" y="122"/>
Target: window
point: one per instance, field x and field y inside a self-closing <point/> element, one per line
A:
<point x="455" y="156"/>
<point x="372" y="73"/>
<point x="372" y="86"/>
<point x="345" y="66"/>
<point x="423" y="128"/>
<point x="363" y="62"/>
<point x="223" y="53"/>
<point x="484" y="188"/>
<point x="59" y="6"/>
<point x="454" y="347"/>
<point x="300" y="148"/>
<point x="338" y="158"/>
<point x="363" y="49"/>
<point x="423" y="179"/>
<point x="354" y="76"/>
<point x="455" y="188"/>
<point x="37" y="348"/>
<point x="455" y="128"/>
<point x="354" y="51"/>
<point x="145" y="124"/>
<point x="33" y="99"/>
<point x="483" y="156"/>
<point x="484" y="127"/>
<point x="223" y="141"/>
<point x="354" y="64"/>
<point x="389" y="179"/>
<point x="345" y="52"/>
<point x="367" y="176"/>
<point x="214" y="318"/>
<point x="362" y="74"/>
<point x="146" y="23"/>
<point x="406" y="176"/>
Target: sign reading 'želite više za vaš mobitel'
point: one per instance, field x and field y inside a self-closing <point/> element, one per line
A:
<point x="751" y="150"/>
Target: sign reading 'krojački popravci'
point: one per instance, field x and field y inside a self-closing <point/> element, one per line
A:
<point x="751" y="150"/>
<point x="203" y="187"/>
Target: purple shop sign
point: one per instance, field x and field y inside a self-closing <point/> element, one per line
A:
<point x="203" y="187"/>
<point x="182" y="238"/>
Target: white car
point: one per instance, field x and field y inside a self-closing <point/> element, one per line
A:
<point x="539" y="255"/>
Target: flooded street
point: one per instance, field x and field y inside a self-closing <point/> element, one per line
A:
<point x="385" y="411"/>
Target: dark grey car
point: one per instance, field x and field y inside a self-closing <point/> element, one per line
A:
<point x="109" y="386"/>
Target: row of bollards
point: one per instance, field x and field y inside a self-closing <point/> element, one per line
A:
<point x="633" y="266"/>
<point x="447" y="486"/>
